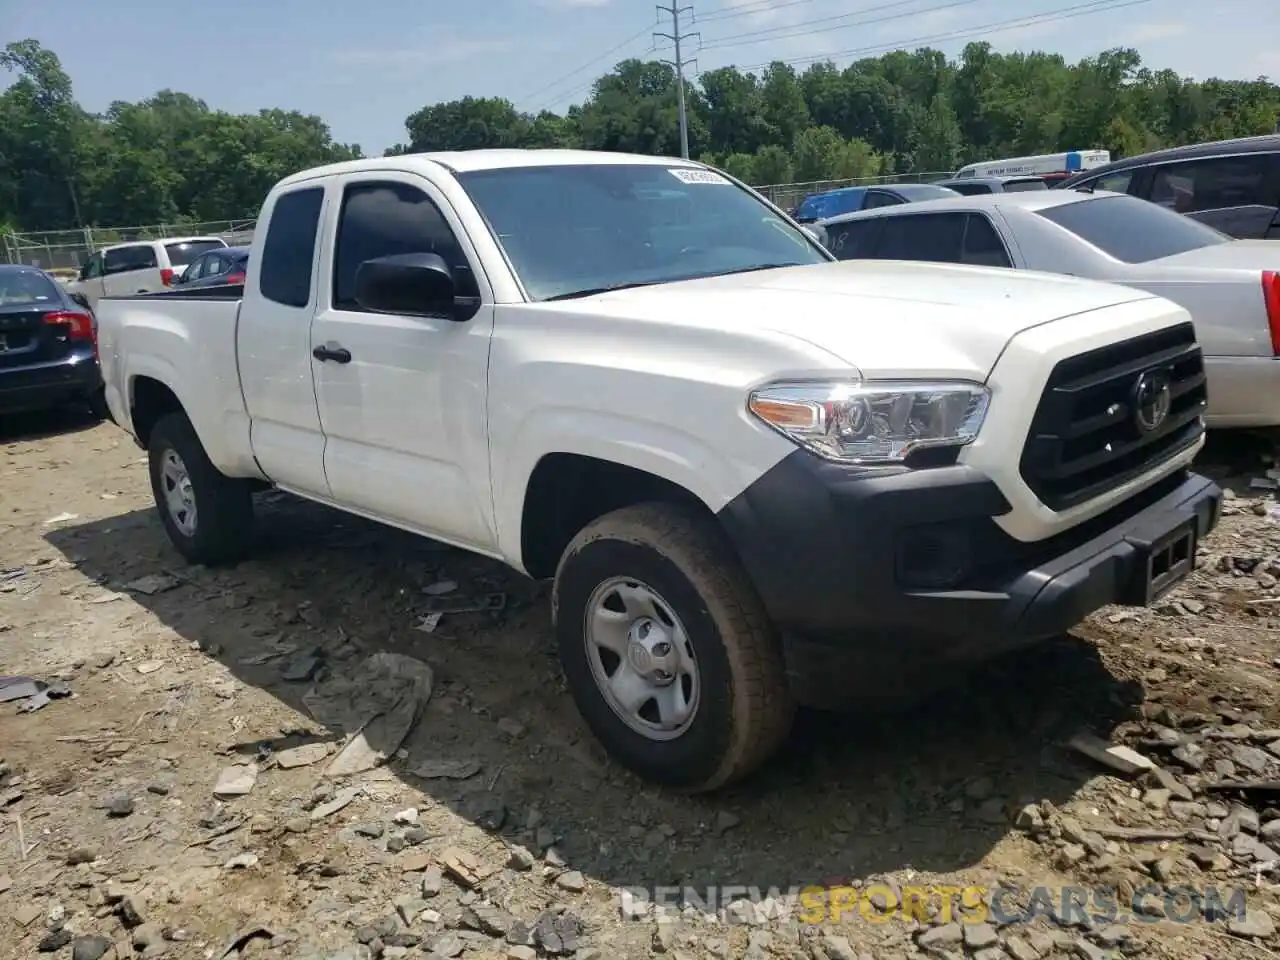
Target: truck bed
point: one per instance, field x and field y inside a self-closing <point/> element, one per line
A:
<point x="186" y="341"/>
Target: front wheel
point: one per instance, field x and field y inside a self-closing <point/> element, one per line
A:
<point x="667" y="650"/>
<point x="207" y="515"/>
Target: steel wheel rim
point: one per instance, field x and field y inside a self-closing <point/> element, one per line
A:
<point x="641" y="658"/>
<point x="179" y="498"/>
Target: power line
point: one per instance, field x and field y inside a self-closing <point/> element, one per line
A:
<point x="675" y="37"/>
<point x="573" y="73"/>
<point x="754" y="8"/>
<point x="584" y="87"/>
<point x="1062" y="14"/>
<point x="1065" y="13"/>
<point x="788" y="30"/>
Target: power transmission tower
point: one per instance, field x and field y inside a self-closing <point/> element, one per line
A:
<point x="675" y="36"/>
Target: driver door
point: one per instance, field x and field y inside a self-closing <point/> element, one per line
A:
<point x="403" y="403"/>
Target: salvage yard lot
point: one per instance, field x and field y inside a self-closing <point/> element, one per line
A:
<point x="110" y="827"/>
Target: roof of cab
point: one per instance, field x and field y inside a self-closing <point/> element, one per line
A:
<point x="468" y="161"/>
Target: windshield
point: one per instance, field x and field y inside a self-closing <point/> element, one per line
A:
<point x="181" y="254"/>
<point x="571" y="230"/>
<point x="1017" y="186"/>
<point x="1132" y="230"/>
<point x="20" y="288"/>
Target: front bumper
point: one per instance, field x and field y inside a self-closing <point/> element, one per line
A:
<point x="877" y="580"/>
<point x="42" y="386"/>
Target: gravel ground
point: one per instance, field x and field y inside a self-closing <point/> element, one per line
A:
<point x="175" y="795"/>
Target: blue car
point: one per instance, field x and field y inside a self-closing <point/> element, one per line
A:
<point x="819" y="206"/>
<point x="48" y="345"/>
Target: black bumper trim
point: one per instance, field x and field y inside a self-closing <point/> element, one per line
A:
<point x="822" y="544"/>
<point x="46" y="385"/>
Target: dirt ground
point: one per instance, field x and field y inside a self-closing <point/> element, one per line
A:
<point x="497" y="828"/>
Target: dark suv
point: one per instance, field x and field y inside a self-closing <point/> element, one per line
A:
<point x="1232" y="185"/>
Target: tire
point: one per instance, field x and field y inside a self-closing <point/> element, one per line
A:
<point x="743" y="709"/>
<point x="223" y="515"/>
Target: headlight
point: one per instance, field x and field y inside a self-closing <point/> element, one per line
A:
<point x="873" y="423"/>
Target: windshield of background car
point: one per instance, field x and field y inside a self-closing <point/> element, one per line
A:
<point x="568" y="229"/>
<point x="1132" y="230"/>
<point x="19" y="288"/>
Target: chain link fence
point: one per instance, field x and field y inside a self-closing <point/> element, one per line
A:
<point x="69" y="249"/>
<point x="789" y="195"/>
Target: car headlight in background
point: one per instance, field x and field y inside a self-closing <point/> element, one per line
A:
<point x="872" y="423"/>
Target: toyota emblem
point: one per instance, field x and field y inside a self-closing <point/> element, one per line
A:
<point x="1152" y="399"/>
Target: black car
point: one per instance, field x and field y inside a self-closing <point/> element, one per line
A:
<point x="216" y="268"/>
<point x="1231" y="185"/>
<point x="48" y="345"/>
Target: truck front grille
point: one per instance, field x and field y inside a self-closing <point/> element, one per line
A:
<point x="1112" y="414"/>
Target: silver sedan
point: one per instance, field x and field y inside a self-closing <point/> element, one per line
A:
<point x="1230" y="287"/>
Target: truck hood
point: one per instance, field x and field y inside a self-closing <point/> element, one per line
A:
<point x="886" y="318"/>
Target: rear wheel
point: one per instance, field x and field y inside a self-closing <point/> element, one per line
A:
<point x="667" y="650"/>
<point x="207" y="515"/>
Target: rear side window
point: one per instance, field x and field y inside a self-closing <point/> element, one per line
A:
<point x="288" y="252"/>
<point x="1113" y="182"/>
<point x="1212" y="184"/>
<point x="878" y="198"/>
<point x="982" y="244"/>
<point x="936" y="237"/>
<point x="1132" y="230"/>
<point x="127" y="259"/>
<point x="853" y="239"/>
<point x="181" y="254"/>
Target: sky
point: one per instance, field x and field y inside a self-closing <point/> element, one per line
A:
<point x="364" y="66"/>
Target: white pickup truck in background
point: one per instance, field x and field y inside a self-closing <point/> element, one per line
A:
<point x="756" y="479"/>
<point x="144" y="266"/>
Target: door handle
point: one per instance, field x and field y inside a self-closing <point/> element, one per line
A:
<point x="332" y="352"/>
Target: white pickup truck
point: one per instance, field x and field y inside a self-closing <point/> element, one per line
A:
<point x="757" y="479"/>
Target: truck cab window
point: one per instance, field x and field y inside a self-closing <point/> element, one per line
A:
<point x="288" y="252"/>
<point x="385" y="218"/>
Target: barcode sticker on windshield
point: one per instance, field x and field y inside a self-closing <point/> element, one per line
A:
<point x="689" y="175"/>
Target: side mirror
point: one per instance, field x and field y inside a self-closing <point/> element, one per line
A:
<point x="178" y="278"/>
<point x="412" y="284"/>
<point x="81" y="300"/>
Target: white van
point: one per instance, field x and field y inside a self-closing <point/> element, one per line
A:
<point x="146" y="266"/>
<point x="1048" y="165"/>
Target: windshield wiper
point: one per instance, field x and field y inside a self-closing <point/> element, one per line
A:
<point x="592" y="291"/>
<point x="762" y="266"/>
